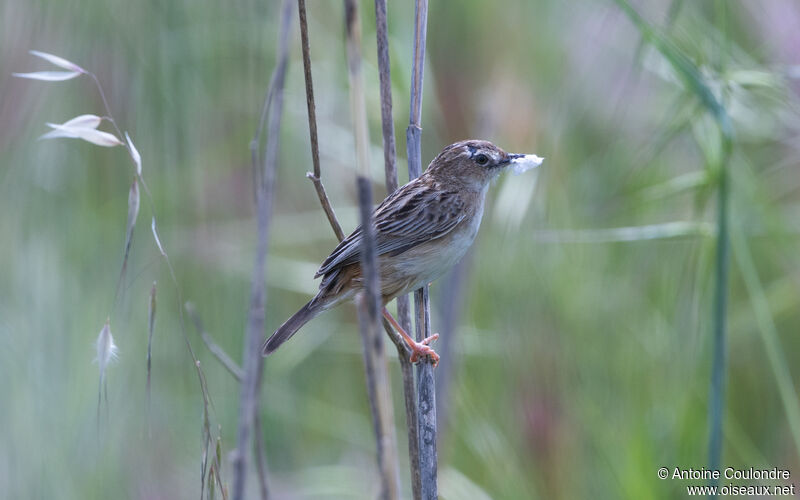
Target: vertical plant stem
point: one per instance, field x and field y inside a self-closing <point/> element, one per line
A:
<point x="414" y="130"/>
<point x="426" y="412"/>
<point x="264" y="175"/>
<point x="717" y="391"/>
<point x="151" y="323"/>
<point x="357" y="102"/>
<point x="316" y="176"/>
<point x="769" y="333"/>
<point x="370" y="303"/>
<point x="409" y="397"/>
<point x="384" y="74"/>
<point x="403" y="305"/>
<point x="697" y="85"/>
<point x="426" y="399"/>
<point x="721" y="266"/>
<point x="258" y="441"/>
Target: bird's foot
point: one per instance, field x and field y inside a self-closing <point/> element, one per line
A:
<point x="422" y="349"/>
<point x="418" y="349"/>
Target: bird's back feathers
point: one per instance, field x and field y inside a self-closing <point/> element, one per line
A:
<point x="414" y="214"/>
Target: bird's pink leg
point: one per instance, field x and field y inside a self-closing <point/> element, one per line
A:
<point x="418" y="349"/>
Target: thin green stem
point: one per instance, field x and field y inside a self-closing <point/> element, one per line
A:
<point x="718" y="367"/>
<point x="769" y="333"/>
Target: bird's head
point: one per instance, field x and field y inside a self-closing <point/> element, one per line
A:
<point x="475" y="163"/>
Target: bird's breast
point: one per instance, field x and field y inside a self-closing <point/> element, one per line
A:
<point x="428" y="261"/>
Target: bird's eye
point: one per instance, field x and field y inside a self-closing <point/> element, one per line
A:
<point x="482" y="159"/>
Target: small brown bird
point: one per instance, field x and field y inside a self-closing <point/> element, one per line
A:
<point x="421" y="231"/>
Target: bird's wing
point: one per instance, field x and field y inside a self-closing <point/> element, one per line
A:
<point x="414" y="214"/>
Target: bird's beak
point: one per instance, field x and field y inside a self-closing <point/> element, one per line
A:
<point x="522" y="163"/>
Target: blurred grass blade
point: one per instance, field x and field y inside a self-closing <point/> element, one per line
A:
<point x="137" y="158"/>
<point x="58" y="61"/>
<point x="133" y="212"/>
<point x="212" y="346"/>
<point x="84" y="121"/>
<point x="668" y="230"/>
<point x="106" y="349"/>
<point x="151" y="323"/>
<point x="49" y="76"/>
<point x="719" y="318"/>
<point x="212" y="483"/>
<point x="58" y="134"/>
<point x="155" y="236"/>
<point x="685" y="68"/>
<point x="456" y="485"/>
<point x="696" y="84"/>
<point x="106" y="353"/>
<point x="769" y="335"/>
<point x="87" y="134"/>
<point x="689" y="181"/>
<point x="81" y="122"/>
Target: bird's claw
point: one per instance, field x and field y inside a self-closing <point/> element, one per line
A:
<point x="422" y="349"/>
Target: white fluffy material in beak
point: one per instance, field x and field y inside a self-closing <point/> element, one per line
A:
<point x="523" y="163"/>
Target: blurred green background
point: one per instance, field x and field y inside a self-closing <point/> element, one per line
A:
<point x="580" y="357"/>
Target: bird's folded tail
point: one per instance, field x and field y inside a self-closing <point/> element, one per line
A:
<point x="290" y="327"/>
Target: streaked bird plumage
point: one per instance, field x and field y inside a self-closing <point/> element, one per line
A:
<point x="422" y="230"/>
